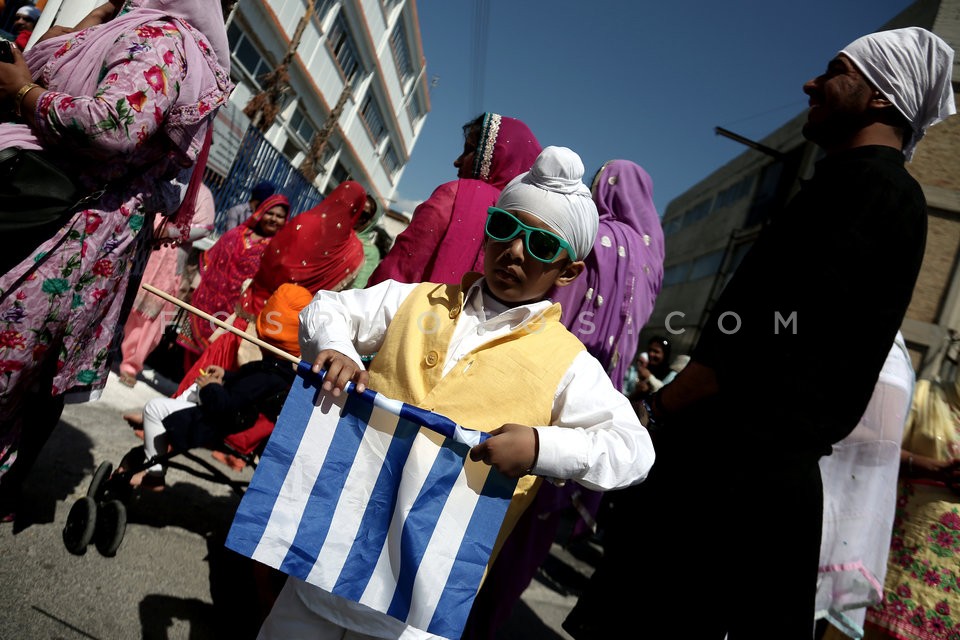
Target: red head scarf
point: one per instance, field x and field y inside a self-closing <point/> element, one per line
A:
<point x="265" y="206"/>
<point x="318" y="249"/>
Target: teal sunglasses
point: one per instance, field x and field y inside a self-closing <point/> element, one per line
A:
<point x="540" y="244"/>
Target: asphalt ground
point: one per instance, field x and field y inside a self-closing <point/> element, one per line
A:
<point x="171" y="577"/>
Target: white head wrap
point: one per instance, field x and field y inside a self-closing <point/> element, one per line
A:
<point x="911" y="67"/>
<point x="29" y="11"/>
<point x="554" y="193"/>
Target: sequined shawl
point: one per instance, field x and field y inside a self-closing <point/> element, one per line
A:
<point x="607" y="306"/>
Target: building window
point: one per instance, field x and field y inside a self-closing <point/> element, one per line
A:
<point x="293" y="151"/>
<point x="339" y="174"/>
<point x="768" y="196"/>
<point x="302" y="127"/>
<point x="401" y="52"/>
<point x="675" y="274"/>
<point x="374" y="121"/>
<point x="321" y="8"/>
<point x="415" y="107"/>
<point x="706" y="265"/>
<point x="344" y="49"/>
<point x="247" y="56"/>
<point x="672" y="226"/>
<point x="734" y="193"/>
<point x="698" y="212"/>
<point x="390" y="159"/>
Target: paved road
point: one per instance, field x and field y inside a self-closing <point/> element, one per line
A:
<point x="171" y="578"/>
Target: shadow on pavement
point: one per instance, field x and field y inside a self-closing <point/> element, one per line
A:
<point x="64" y="463"/>
<point x="186" y="506"/>
<point x="235" y="612"/>
<point x="525" y="624"/>
<point x="560" y="577"/>
<point x="158" y="613"/>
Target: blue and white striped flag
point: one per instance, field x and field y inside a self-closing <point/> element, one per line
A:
<point x="375" y="501"/>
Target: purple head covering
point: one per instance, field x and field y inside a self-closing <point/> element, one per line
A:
<point x="607" y="306"/>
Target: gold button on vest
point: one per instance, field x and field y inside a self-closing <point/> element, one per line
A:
<point x="432" y="359"/>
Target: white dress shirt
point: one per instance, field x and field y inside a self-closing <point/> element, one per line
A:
<point x="601" y="444"/>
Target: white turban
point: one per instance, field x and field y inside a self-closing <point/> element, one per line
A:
<point x="30" y="12"/>
<point x="911" y="67"/>
<point x="554" y="193"/>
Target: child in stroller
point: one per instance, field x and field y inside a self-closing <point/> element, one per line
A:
<point x="221" y="403"/>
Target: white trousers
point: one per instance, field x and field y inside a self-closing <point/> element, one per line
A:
<point x="303" y="612"/>
<point x="154" y="434"/>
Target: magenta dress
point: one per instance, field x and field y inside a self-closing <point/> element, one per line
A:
<point x="445" y="237"/>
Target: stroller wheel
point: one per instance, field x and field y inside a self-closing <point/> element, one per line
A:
<point x="96" y="488"/>
<point x="111" y="525"/>
<point x="81" y="523"/>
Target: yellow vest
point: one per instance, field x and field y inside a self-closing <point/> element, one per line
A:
<point x="510" y="379"/>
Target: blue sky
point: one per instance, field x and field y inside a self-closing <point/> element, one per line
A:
<point x="641" y="81"/>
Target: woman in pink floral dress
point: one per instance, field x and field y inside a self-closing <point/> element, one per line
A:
<point x="921" y="594"/>
<point x="126" y="107"/>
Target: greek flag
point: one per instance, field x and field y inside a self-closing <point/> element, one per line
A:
<point x="376" y="501"/>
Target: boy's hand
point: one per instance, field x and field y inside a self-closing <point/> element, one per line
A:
<point x="211" y="375"/>
<point x="512" y="449"/>
<point x="340" y="370"/>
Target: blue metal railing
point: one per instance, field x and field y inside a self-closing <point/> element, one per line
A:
<point x="259" y="160"/>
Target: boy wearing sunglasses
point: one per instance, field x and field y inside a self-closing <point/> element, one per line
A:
<point x="491" y="354"/>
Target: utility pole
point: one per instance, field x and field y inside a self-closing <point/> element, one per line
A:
<point x="773" y="153"/>
<point x="313" y="162"/>
<point x="264" y="107"/>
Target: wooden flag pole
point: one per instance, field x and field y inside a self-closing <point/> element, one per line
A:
<point x="223" y="325"/>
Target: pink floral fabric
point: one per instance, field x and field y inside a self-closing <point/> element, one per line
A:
<point x="65" y="300"/>
<point x="921" y="597"/>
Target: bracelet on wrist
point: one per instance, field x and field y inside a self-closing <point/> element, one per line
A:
<point x="21" y="94"/>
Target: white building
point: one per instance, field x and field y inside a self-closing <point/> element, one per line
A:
<point x="374" y="46"/>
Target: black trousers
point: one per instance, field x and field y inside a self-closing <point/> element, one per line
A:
<point x="40" y="412"/>
<point x="713" y="543"/>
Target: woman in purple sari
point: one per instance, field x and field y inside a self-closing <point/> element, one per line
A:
<point x="124" y="104"/>
<point x="606" y="307"/>
<point x="445" y="237"/>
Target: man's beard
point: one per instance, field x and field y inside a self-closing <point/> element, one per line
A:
<point x="834" y="130"/>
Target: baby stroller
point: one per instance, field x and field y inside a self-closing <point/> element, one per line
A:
<point x="100" y="516"/>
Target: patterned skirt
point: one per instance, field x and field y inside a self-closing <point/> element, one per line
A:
<point x="921" y="599"/>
